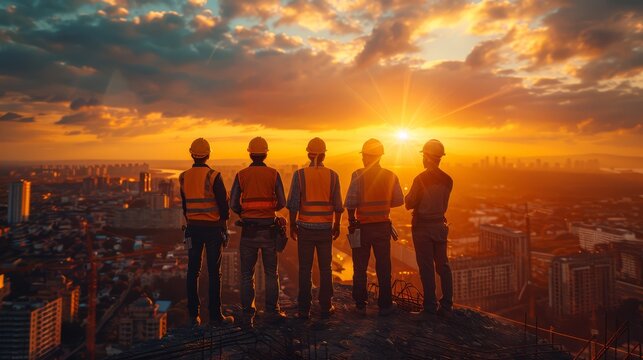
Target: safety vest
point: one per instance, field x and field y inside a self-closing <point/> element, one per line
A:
<point x="258" y="199"/>
<point x="196" y="185"/>
<point x="377" y="192"/>
<point x="317" y="188"/>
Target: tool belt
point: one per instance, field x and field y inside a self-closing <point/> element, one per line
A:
<point x="278" y="231"/>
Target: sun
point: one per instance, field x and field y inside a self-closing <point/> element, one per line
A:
<point x="402" y="135"/>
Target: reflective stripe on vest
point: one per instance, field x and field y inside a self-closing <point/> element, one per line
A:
<point x="376" y="194"/>
<point x="197" y="187"/>
<point x="258" y="199"/>
<point x="317" y="187"/>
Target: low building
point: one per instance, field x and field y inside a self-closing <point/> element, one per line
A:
<point x="591" y="236"/>
<point x="147" y="218"/>
<point x="30" y="328"/>
<point x="141" y="321"/>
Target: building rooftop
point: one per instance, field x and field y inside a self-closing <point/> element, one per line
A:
<point x="501" y="229"/>
<point x="466" y="335"/>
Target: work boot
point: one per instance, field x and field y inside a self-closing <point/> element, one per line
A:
<point x="246" y="320"/>
<point x="445" y="312"/>
<point x="423" y="315"/>
<point x="223" y="320"/>
<point x="303" y="314"/>
<point x="275" y="316"/>
<point x="388" y="310"/>
<point x="325" y="314"/>
<point x="360" y="310"/>
<point x="195" y="321"/>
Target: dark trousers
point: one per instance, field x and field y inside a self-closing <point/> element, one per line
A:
<point x="378" y="237"/>
<point x="308" y="241"/>
<point x="430" y="241"/>
<point x="263" y="240"/>
<point x="211" y="238"/>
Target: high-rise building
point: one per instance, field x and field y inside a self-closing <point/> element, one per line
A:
<point x="156" y="200"/>
<point x="591" y="236"/>
<point x="167" y="187"/>
<point x="61" y="287"/>
<point x="580" y="283"/>
<point x="30" y="328"/>
<point x="19" y="200"/>
<point x="628" y="268"/>
<point x="144" y="182"/>
<point x="485" y="281"/>
<point x="230" y="271"/>
<point x="141" y="321"/>
<point x="507" y="242"/>
<point x="5" y="287"/>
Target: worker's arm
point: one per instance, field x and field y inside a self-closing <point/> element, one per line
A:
<point x="338" y="206"/>
<point x="293" y="205"/>
<point x="183" y="203"/>
<point x="235" y="196"/>
<point x="279" y="193"/>
<point x="397" y="198"/>
<point x="412" y="199"/>
<point x="352" y="199"/>
<point x="221" y="197"/>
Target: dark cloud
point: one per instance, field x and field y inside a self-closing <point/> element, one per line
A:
<point x="11" y="116"/>
<point x="80" y="103"/>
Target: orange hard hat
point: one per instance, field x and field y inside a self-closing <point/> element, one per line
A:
<point x="373" y="147"/>
<point x="433" y="147"/>
<point x="316" y="146"/>
<point x="258" y="145"/>
<point x="200" y="148"/>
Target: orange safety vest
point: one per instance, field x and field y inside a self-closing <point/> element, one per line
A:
<point x="377" y="192"/>
<point x="196" y="185"/>
<point x="258" y="198"/>
<point x="317" y="188"/>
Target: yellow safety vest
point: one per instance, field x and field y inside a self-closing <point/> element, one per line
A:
<point x="317" y="188"/>
<point x="377" y="192"/>
<point x="196" y="185"/>
<point x="258" y="198"/>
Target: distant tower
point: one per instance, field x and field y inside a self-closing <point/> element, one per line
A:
<point x="19" y="199"/>
<point x="145" y="182"/>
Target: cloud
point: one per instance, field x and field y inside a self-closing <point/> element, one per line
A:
<point x="80" y="103"/>
<point x="163" y="67"/>
<point x="11" y="116"/>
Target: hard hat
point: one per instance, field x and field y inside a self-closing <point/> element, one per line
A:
<point x="200" y="148"/>
<point x="258" y="145"/>
<point x="373" y="147"/>
<point x="433" y="147"/>
<point x="316" y="146"/>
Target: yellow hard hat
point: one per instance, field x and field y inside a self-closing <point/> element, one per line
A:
<point x="200" y="148"/>
<point x="316" y="146"/>
<point x="433" y="147"/>
<point x="373" y="147"/>
<point x="258" y="145"/>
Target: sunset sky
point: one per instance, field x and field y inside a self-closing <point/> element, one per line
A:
<point x="140" y="79"/>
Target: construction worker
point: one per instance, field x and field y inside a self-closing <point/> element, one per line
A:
<point x="315" y="206"/>
<point x="372" y="193"/>
<point x="429" y="198"/>
<point x="205" y="207"/>
<point x="256" y="194"/>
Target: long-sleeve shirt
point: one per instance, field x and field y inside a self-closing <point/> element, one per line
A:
<point x="354" y="194"/>
<point x="220" y="197"/>
<point x="429" y="195"/>
<point x="235" y="196"/>
<point x="294" y="201"/>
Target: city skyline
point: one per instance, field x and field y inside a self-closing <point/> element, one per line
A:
<point x="108" y="79"/>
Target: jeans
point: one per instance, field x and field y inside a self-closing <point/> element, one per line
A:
<point x="308" y="241"/>
<point x="430" y="241"/>
<point x="211" y="238"/>
<point x="378" y="237"/>
<point x="249" y="252"/>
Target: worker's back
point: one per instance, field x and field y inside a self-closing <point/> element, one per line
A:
<point x="258" y="198"/>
